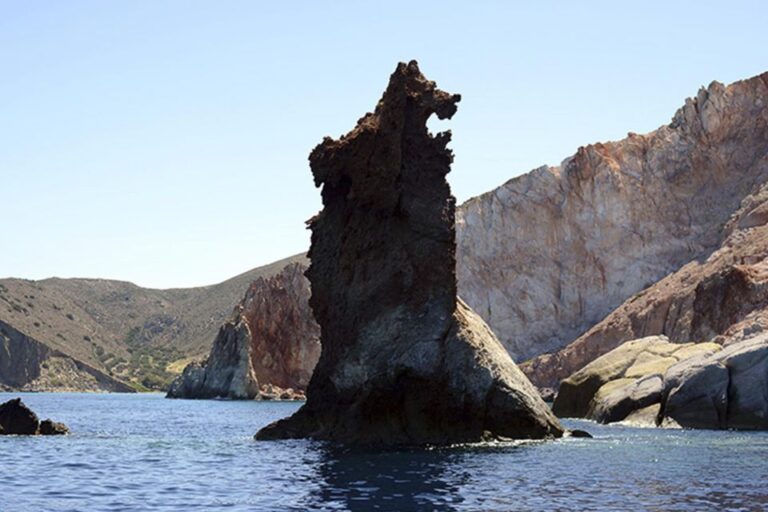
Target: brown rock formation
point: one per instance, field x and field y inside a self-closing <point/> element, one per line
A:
<point x="403" y="362"/>
<point x="285" y="339"/>
<point x="549" y="254"/>
<point x="18" y="419"/>
<point x="267" y="349"/>
<point x="723" y="299"/>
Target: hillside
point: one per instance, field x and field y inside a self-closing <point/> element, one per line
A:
<point x="121" y="329"/>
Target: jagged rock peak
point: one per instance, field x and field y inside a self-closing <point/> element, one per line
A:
<point x="403" y="361"/>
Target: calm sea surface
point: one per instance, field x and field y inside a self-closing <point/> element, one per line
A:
<point x="143" y="452"/>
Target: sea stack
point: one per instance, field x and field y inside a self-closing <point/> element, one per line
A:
<point x="403" y="361"/>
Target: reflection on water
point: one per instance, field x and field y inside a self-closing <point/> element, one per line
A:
<point x="144" y="453"/>
<point x="393" y="480"/>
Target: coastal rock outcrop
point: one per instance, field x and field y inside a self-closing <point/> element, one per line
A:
<point x="18" y="419"/>
<point x="657" y="383"/>
<point x="267" y="349"/>
<point x="228" y="372"/>
<point x="726" y="390"/>
<point x="626" y="379"/>
<point x="403" y="360"/>
<point x="549" y="254"/>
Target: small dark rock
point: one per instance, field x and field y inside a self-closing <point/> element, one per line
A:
<point x="17" y="418"/>
<point x="579" y="433"/>
<point x="53" y="428"/>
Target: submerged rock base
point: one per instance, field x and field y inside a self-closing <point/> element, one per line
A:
<point x="463" y="387"/>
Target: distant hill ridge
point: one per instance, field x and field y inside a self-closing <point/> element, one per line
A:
<point x="135" y="335"/>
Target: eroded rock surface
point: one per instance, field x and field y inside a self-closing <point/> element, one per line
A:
<point x="18" y="419"/>
<point x="228" y="372"/>
<point x="549" y="254"/>
<point x="403" y="361"/>
<point x="727" y="390"/>
<point x="654" y="382"/>
<point x="267" y="349"/>
<point x="626" y="379"/>
<point x="722" y="299"/>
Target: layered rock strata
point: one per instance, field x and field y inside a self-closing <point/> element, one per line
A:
<point x="267" y="349"/>
<point x="403" y="361"/>
<point x="549" y="254"/>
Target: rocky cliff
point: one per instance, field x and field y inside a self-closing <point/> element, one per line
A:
<point x="722" y="298"/>
<point x="549" y="254"/>
<point x="402" y="362"/>
<point x="267" y="349"/>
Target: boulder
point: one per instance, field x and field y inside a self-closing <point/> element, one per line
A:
<point x="706" y="386"/>
<point x="626" y="379"/>
<point x="615" y="405"/>
<point x="645" y="417"/>
<point x="53" y="428"/>
<point x="18" y="419"/>
<point x="726" y="390"/>
<point x="403" y="360"/>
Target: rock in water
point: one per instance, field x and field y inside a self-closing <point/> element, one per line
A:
<point x="403" y="360"/>
<point x="228" y="373"/>
<point x="18" y="419"/>
<point x="271" y="341"/>
<point x="53" y="428"/>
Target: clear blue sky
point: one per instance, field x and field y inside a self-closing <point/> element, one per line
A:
<point x="166" y="142"/>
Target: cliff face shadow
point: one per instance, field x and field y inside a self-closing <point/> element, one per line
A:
<point x="403" y="480"/>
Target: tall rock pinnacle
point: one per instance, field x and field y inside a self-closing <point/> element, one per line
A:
<point x="403" y="360"/>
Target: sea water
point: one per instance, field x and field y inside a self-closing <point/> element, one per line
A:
<point x="146" y="453"/>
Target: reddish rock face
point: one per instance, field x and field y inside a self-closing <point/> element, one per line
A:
<point x="267" y="349"/>
<point x="285" y="339"/>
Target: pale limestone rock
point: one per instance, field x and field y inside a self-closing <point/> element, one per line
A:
<point x="548" y="254"/>
<point x="628" y="378"/>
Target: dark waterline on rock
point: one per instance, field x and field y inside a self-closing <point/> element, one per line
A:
<point x="141" y="452"/>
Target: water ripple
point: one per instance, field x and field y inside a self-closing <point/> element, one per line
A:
<point x="144" y="453"/>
